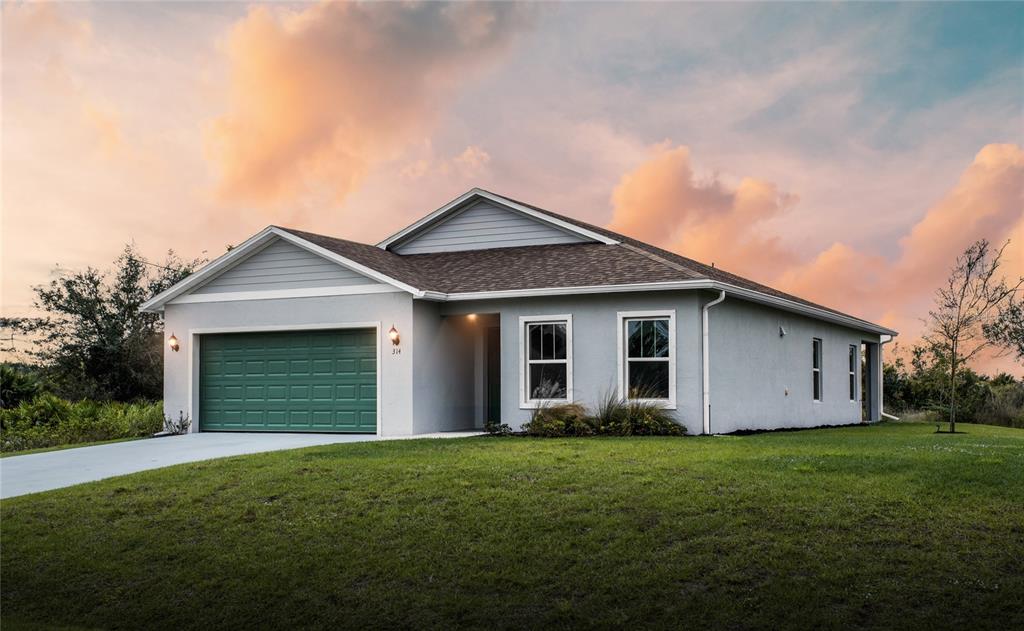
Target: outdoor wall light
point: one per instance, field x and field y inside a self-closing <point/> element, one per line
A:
<point x="471" y="317"/>
<point x="393" y="334"/>
<point x="173" y="343"/>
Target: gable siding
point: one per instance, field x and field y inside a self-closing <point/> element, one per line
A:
<point x="282" y="265"/>
<point x="482" y="226"/>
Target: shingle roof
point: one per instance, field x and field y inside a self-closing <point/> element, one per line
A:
<point x="543" y="266"/>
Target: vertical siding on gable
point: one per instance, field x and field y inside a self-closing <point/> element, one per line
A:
<point x="282" y="265"/>
<point x="482" y="226"/>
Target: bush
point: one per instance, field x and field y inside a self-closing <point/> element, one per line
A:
<point x="566" y="419"/>
<point x="48" y="421"/>
<point x="612" y="416"/>
<point x="17" y="386"/>
<point x="634" y="417"/>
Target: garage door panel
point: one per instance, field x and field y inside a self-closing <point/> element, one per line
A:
<point x="309" y="381"/>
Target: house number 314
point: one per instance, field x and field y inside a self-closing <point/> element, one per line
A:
<point x="396" y="351"/>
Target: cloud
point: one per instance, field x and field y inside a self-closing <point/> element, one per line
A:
<point x="467" y="165"/>
<point x="320" y="96"/>
<point x="30" y="27"/>
<point x="664" y="202"/>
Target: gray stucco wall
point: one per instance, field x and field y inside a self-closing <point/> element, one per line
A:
<point x="181" y="389"/>
<point x="595" y="346"/>
<point x="753" y="368"/>
<point x="485" y="225"/>
<point x="444" y="371"/>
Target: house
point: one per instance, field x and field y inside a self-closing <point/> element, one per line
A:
<point x="485" y="309"/>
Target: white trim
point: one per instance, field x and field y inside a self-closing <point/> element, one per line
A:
<point x="524" y="402"/>
<point x="703" y="283"/>
<point x="250" y="246"/>
<point x="622" y="361"/>
<point x="195" y="334"/>
<point x="855" y="373"/>
<point x="440" y="215"/>
<point x="705" y="357"/>
<point x="818" y="352"/>
<point x="562" y="291"/>
<point x="270" y="294"/>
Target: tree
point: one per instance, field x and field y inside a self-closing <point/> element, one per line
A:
<point x="969" y="310"/>
<point x="1008" y="329"/>
<point x="93" y="341"/>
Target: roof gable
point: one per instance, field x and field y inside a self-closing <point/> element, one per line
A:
<point x="480" y="220"/>
<point x="190" y="288"/>
<point x="280" y="264"/>
<point x="483" y="225"/>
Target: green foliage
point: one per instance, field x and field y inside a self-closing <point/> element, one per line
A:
<point x="17" y="384"/>
<point x="634" y="417"/>
<point x="94" y="343"/>
<point x="568" y="419"/>
<point x="611" y="417"/>
<point x="923" y="387"/>
<point x="49" y="421"/>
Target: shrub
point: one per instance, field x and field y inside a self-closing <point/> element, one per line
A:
<point x="612" y="416"/>
<point x="17" y="386"/>
<point x="48" y="421"/>
<point x="564" y="419"/>
<point x="637" y="416"/>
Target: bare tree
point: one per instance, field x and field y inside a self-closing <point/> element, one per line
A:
<point x="969" y="309"/>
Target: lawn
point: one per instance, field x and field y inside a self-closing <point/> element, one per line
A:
<point x="891" y="526"/>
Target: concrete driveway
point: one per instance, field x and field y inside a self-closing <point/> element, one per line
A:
<point x="32" y="473"/>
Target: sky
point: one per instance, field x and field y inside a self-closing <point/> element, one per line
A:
<point x="842" y="152"/>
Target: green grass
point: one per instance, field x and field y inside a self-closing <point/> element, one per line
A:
<point x="39" y="450"/>
<point x="890" y="526"/>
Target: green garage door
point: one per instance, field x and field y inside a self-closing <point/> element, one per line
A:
<point x="295" y="381"/>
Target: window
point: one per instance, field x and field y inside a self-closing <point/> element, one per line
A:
<point x="853" y="372"/>
<point x="546" y="359"/>
<point x="647" y="364"/>
<point x="816" y="368"/>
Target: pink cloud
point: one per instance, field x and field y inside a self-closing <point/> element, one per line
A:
<point x="321" y="95"/>
<point x="661" y="201"/>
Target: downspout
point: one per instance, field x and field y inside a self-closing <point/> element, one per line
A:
<point x="881" y="379"/>
<point x="707" y="361"/>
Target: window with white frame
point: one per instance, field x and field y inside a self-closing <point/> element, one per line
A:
<point x="647" y="363"/>
<point x="853" y="372"/>
<point x="546" y="359"/>
<point x="816" y="368"/>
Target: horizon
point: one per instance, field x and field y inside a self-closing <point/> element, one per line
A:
<point x="846" y="154"/>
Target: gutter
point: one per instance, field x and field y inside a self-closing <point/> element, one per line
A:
<point x="881" y="379"/>
<point x="706" y="356"/>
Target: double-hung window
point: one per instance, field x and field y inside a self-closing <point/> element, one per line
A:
<point x="853" y="372"/>
<point x="546" y="359"/>
<point x="816" y="368"/>
<point x="647" y="362"/>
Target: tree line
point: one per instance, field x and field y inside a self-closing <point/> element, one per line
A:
<point x="93" y="342"/>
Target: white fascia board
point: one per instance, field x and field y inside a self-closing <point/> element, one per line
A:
<point x="439" y="215"/>
<point x="738" y="292"/>
<point x="228" y="259"/>
<point x="796" y="307"/>
<point x="562" y="291"/>
<point x="272" y="294"/>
